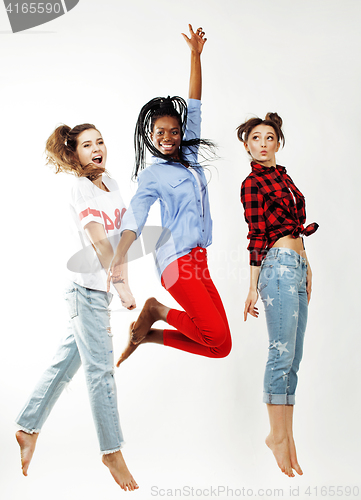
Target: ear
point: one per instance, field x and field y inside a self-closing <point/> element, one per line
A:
<point x="278" y="146"/>
<point x="245" y="144"/>
<point x="151" y="136"/>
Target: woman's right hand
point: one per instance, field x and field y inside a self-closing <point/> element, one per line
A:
<point x="249" y="307"/>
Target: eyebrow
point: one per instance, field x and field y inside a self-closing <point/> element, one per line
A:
<point x="173" y="128"/>
<point x="99" y="139"/>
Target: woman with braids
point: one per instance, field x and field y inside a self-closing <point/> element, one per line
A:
<point x="275" y="213"/>
<point x="97" y="208"/>
<point x="171" y="132"/>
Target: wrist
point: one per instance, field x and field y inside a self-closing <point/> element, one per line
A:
<point x="195" y="54"/>
<point x="119" y="254"/>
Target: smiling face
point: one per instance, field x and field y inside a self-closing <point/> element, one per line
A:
<point x="91" y="148"/>
<point x="166" y="135"/>
<point x="263" y="145"/>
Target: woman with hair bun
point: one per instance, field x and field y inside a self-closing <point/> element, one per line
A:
<point x="170" y="130"/>
<point x="97" y="208"/>
<point x="279" y="271"/>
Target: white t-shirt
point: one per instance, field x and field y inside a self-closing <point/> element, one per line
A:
<point x="89" y="203"/>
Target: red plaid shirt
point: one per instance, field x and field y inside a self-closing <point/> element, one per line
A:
<point x="273" y="207"/>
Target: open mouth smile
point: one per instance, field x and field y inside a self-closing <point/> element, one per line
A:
<point x="97" y="159"/>
<point x="167" y="146"/>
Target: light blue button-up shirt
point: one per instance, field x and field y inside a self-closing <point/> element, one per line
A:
<point x="186" y="218"/>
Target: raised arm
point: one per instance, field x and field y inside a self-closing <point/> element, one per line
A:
<point x="196" y="43"/>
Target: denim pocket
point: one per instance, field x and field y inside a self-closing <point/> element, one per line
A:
<point x="288" y="260"/>
<point x="71" y="300"/>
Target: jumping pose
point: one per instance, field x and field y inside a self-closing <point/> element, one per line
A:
<point x="97" y="209"/>
<point x="275" y="213"/>
<point x="171" y="132"/>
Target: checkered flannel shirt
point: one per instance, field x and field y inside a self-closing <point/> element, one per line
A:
<point x="273" y="207"/>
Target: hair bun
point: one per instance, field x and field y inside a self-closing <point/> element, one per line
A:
<point x="166" y="103"/>
<point x="274" y="117"/>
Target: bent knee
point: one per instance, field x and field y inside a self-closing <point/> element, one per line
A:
<point x="223" y="350"/>
<point x="217" y="336"/>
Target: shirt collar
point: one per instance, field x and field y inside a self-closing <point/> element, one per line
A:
<point x="257" y="168"/>
<point x="157" y="159"/>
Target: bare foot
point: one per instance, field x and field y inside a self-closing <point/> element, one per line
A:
<point x="293" y="456"/>
<point x="119" y="470"/>
<point x="152" y="311"/>
<point x="130" y="346"/>
<point x="27" y="444"/>
<point x="154" y="336"/>
<point x="281" y="452"/>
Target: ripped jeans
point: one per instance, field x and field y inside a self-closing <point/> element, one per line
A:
<point x="88" y="342"/>
<point x="282" y="287"/>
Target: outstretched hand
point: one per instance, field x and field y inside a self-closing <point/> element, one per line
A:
<point x="196" y="41"/>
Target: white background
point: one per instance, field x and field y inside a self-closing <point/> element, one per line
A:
<point x="188" y="421"/>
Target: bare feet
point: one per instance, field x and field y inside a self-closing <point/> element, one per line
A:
<point x="130" y="346"/>
<point x="152" y="311"/>
<point x="27" y="444"/>
<point x="154" y="336"/>
<point x="119" y="470"/>
<point x="280" y="449"/>
<point x="293" y="456"/>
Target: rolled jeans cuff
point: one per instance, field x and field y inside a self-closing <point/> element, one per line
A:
<point x="279" y="399"/>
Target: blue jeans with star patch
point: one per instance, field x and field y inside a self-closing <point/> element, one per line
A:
<point x="282" y="287"/>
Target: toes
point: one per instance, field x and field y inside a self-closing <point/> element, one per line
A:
<point x="297" y="468"/>
<point x="136" y="339"/>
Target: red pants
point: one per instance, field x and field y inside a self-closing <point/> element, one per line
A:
<point x="203" y="327"/>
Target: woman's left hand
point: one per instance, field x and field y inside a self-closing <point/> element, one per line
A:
<point x="309" y="283"/>
<point x="196" y="41"/>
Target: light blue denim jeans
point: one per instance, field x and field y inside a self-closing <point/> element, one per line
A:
<point x="282" y="287"/>
<point x="88" y="342"/>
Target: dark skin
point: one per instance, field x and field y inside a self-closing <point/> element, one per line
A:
<point x="166" y="137"/>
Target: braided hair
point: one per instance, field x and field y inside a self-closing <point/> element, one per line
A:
<point x="156" y="108"/>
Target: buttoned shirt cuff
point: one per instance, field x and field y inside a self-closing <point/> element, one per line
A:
<point x="255" y="258"/>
